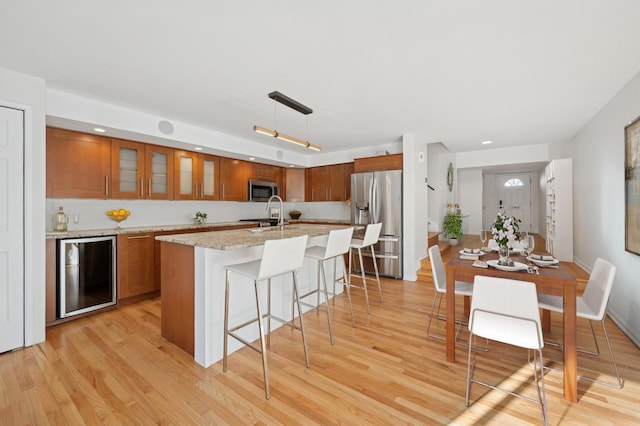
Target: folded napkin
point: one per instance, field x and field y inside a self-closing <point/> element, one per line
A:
<point x="471" y="251"/>
<point x="468" y="257"/>
<point x="541" y="257"/>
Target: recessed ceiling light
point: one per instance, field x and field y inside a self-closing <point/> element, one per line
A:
<point x="291" y="165"/>
<point x="198" y="148"/>
<point x="252" y="158"/>
<point x="487" y="142"/>
<point x="99" y="130"/>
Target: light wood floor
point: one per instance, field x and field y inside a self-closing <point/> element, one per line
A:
<point x="114" y="368"/>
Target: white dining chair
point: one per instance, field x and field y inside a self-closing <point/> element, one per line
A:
<point x="371" y="237"/>
<point x="592" y="305"/>
<point x="507" y="311"/>
<point x="337" y="246"/>
<point x="272" y="264"/>
<point x="440" y="286"/>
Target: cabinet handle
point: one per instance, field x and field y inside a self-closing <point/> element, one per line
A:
<point x="141" y="188"/>
<point x="195" y="194"/>
<point x="106" y="185"/>
<point x="223" y="191"/>
<point x="202" y="190"/>
<point x="327" y="194"/>
<point x="149" y="193"/>
<point x="139" y="237"/>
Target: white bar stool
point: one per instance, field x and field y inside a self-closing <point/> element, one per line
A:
<point x="279" y="257"/>
<point x="371" y="236"/>
<point x="337" y="246"/>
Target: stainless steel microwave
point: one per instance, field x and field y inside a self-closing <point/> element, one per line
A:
<point x="262" y="191"/>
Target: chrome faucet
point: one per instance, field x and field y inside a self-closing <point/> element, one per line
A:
<point x="281" y="215"/>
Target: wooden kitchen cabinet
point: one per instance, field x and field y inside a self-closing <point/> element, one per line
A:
<point x="78" y="165"/>
<point x="264" y="172"/>
<point x="51" y="282"/>
<point x="141" y="171"/>
<point x="234" y="179"/>
<point x="295" y="179"/>
<point x="318" y="184"/>
<point x="197" y="176"/>
<point x="348" y="171"/>
<point x="379" y="162"/>
<point x="328" y="183"/>
<point x="136" y="265"/>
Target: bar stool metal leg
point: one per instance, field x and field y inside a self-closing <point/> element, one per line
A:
<point x="375" y="268"/>
<point x="263" y="347"/>
<point x="296" y="295"/>
<point x="326" y="298"/>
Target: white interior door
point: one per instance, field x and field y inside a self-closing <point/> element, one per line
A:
<point x="514" y="197"/>
<point x="11" y="229"/>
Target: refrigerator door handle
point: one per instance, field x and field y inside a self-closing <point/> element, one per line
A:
<point x="380" y="256"/>
<point x="391" y="239"/>
<point x="374" y="200"/>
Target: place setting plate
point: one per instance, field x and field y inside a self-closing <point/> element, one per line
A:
<point x="476" y="252"/>
<point x="517" y="266"/>
<point x="540" y="262"/>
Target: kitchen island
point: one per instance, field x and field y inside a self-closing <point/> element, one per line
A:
<point x="193" y="281"/>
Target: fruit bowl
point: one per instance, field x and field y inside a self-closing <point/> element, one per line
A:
<point x="118" y="215"/>
<point x="295" y="214"/>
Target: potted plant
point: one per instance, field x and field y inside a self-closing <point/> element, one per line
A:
<point x="200" y="217"/>
<point x="452" y="227"/>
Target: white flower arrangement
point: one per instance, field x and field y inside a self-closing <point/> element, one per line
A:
<point x="505" y="230"/>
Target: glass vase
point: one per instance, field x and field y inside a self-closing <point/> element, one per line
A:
<point x="503" y="253"/>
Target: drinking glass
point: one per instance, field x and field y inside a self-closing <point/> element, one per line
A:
<point x="483" y="238"/>
<point x="531" y="243"/>
<point x="524" y="240"/>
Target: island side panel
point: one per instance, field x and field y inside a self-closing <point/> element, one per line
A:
<point x="177" y="295"/>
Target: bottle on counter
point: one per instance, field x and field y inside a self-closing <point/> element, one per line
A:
<point x="60" y="221"/>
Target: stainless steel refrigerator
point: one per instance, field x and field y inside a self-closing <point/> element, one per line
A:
<point x="377" y="197"/>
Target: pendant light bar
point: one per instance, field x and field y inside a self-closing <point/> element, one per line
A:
<point x="293" y="104"/>
<point x="287" y="138"/>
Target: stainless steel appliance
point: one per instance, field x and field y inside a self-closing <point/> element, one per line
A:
<point x="86" y="274"/>
<point x="377" y="197"/>
<point x="262" y="191"/>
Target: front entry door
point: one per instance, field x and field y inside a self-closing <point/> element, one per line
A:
<point x="11" y="229"/>
<point x="514" y="197"/>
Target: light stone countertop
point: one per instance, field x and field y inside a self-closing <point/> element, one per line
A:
<point x="244" y="238"/>
<point x="134" y="230"/>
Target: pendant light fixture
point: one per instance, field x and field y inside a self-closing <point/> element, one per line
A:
<point x="293" y="104"/>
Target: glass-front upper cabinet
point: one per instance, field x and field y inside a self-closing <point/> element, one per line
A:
<point x="141" y="171"/>
<point x="197" y="176"/>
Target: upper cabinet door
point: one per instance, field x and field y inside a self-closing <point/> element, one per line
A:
<point x="197" y="176"/>
<point x="141" y="171"/>
<point x="186" y="175"/>
<point x="209" y="177"/>
<point x="234" y="180"/>
<point x="78" y="165"/>
<point x="127" y="169"/>
<point x="159" y="165"/>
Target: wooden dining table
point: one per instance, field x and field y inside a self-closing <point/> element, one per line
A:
<point x="558" y="282"/>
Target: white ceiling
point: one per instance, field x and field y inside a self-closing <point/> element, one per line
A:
<point x="459" y="72"/>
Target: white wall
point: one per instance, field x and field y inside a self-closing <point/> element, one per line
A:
<point x="92" y="212"/>
<point x="414" y="180"/>
<point x="599" y="202"/>
<point x="438" y="160"/>
<point x="28" y="93"/>
<point x="470" y="199"/>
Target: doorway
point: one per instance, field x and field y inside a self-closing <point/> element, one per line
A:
<point x="514" y="197"/>
<point x="11" y="228"/>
